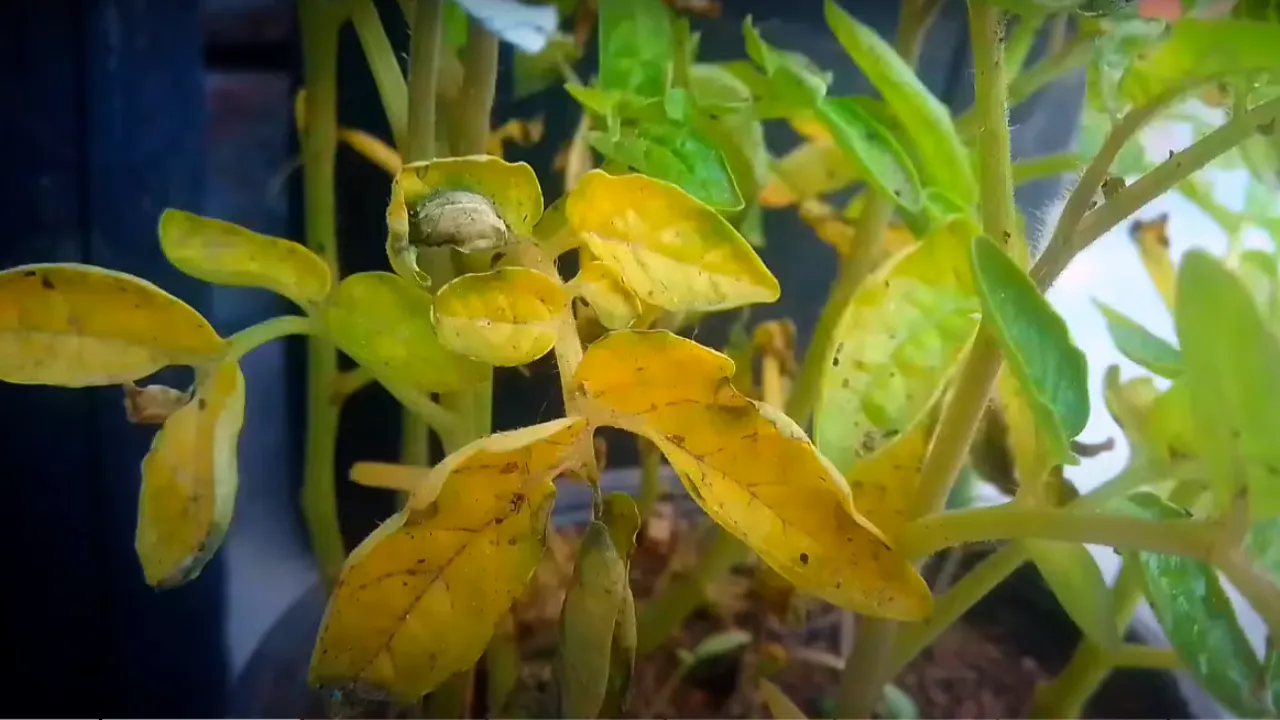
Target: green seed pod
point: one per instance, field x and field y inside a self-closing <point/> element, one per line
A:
<point x="587" y="621"/>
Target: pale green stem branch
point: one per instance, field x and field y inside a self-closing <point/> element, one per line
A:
<point x="254" y="336"/>
<point x="1045" y="166"/>
<point x="382" y="62"/>
<point x="425" y="46"/>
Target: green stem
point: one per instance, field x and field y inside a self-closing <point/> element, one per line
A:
<point x="246" y="340"/>
<point x="1030" y="81"/>
<point x="319" y="24"/>
<point x="995" y="178"/>
<point x="480" y="70"/>
<point x="425" y="45"/>
<point x="1045" y="166"/>
<point x="1134" y="655"/>
<point x="651" y="485"/>
<point x="1261" y="592"/>
<point x="1191" y="538"/>
<point x="1021" y="39"/>
<point x="387" y="76"/>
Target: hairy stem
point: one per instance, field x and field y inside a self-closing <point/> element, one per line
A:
<point x="319" y="24"/>
<point x="387" y="76"/>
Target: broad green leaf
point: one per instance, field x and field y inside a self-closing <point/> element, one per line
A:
<point x="794" y="83"/>
<point x="1232" y="369"/>
<point x="924" y="118"/>
<point x="1050" y="369"/>
<point x="671" y="250"/>
<point x="884" y="483"/>
<point x="534" y="72"/>
<point x="384" y="323"/>
<point x="418" y="600"/>
<point x="811" y="169"/>
<point x="679" y="155"/>
<point x="1075" y="579"/>
<point x="1257" y="10"/>
<point x="898" y="342"/>
<point x="189" y="481"/>
<point x="505" y="317"/>
<point x="602" y="287"/>
<point x="226" y="254"/>
<point x="1261" y="275"/>
<point x="733" y="455"/>
<point x="1198" y="618"/>
<point x="472" y="203"/>
<point x="1141" y="345"/>
<point x="780" y="706"/>
<point x="1197" y="51"/>
<point x="636" y="47"/>
<point x="587" y="619"/>
<point x="79" y="326"/>
<point x="1262" y="545"/>
<point x="878" y="157"/>
<point x="622" y="517"/>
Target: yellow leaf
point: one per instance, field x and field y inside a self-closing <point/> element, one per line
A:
<point x="898" y="342"/>
<point x="389" y="476"/>
<point x="810" y="128"/>
<point x="670" y="249"/>
<point x="372" y="148"/>
<point x="384" y="323"/>
<point x="506" y="317"/>
<point x="750" y="468"/>
<point x="515" y="130"/>
<point x="472" y="203"/>
<point x="419" y="599"/>
<point x="78" y="326"/>
<point x="189" y="481"/>
<point x="833" y="228"/>
<point x="884" y="484"/>
<point x="226" y="254"/>
<point x="1152" y="239"/>
<point x="810" y="170"/>
<point x="601" y="286"/>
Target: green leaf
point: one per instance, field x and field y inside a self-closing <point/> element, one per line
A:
<point x="794" y="82"/>
<point x="587" y="618"/>
<point x="1232" y="371"/>
<point x="924" y="118"/>
<point x="534" y="72"/>
<point x="384" y="323"/>
<point x="1262" y="545"/>
<point x="636" y="47"/>
<point x="1037" y="345"/>
<point x="1199" y="620"/>
<point x="1141" y="345"/>
<point x="1260" y="273"/>
<point x="1070" y="571"/>
<point x="679" y="155"/>
<point x="879" y="157"/>
<point x="1198" y="51"/>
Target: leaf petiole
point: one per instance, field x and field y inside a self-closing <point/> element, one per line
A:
<point x="254" y="336"/>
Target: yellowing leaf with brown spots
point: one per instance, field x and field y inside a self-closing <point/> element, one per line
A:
<point x="225" y="253"/>
<point x="813" y="168"/>
<point x="189" y="481"/>
<point x="897" y="344"/>
<point x="750" y="468"/>
<point x="79" y="325"/>
<point x="671" y="250"/>
<point x="472" y="203"/>
<point x="884" y="484"/>
<point x="419" y="599"/>
<point x="506" y="317"/>
<point x="384" y="323"/>
<point x="601" y="286"/>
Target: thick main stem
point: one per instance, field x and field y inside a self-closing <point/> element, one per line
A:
<point x="319" y="24"/>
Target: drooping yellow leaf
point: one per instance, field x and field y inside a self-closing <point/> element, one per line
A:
<point x="671" y="250"/>
<point x="384" y="323"/>
<point x="373" y="149"/>
<point x="220" y="252"/>
<point x="472" y="203"/>
<point x="1152" y="238"/>
<point x="832" y="227"/>
<point x="506" y="317"/>
<point x="79" y="325"/>
<point x="419" y="599"/>
<point x="811" y="169"/>
<point x="389" y="476"/>
<point x="898" y="342"/>
<point x="189" y="481"/>
<point x="750" y="468"/>
<point x="601" y="286"/>
<point x="1031" y="454"/>
<point x="884" y="484"/>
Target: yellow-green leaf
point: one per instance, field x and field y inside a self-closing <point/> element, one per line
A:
<point x="1033" y="453"/>
<point x="874" y="151"/>
<point x="189" y="481"/>
<point x="884" y="483"/>
<point x="220" y="252"/>
<point x="1159" y="425"/>
<point x="79" y="325"/>
<point x="750" y="468"/>
<point x="780" y="706"/>
<point x="602" y="287"/>
<point x="472" y="203"/>
<point x="1140" y="344"/>
<point x="1074" y="577"/>
<point x="1199" y="50"/>
<point x="384" y="323"/>
<point x="811" y="169"/>
<point x="587" y="619"/>
<point x="670" y="249"/>
<point x="418" y="600"/>
<point x="897" y="343"/>
<point x="1232" y="372"/>
<point x="505" y="317"/>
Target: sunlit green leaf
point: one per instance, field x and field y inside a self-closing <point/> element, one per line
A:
<point x="1198" y="618"/>
<point x="1197" y="51"/>
<point x="1037" y="345"/>
<point x="1232" y="371"/>
<point x="881" y="160"/>
<point x="1141" y="345"/>
<point x="794" y="82"/>
<point x="636" y="47"/>
<point x="680" y="155"/>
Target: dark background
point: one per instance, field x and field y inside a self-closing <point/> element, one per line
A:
<point x="116" y="109"/>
